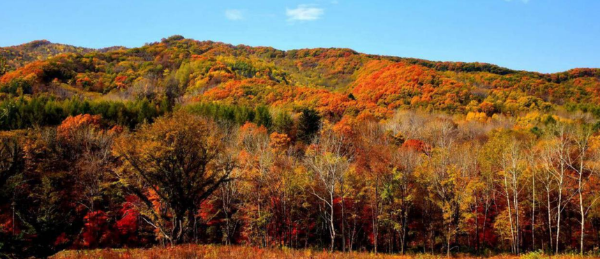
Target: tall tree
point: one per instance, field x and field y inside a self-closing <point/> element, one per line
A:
<point x="329" y="162"/>
<point x="578" y="161"/>
<point x="181" y="159"/>
<point x="554" y="153"/>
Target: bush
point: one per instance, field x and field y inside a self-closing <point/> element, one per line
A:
<point x="533" y="255"/>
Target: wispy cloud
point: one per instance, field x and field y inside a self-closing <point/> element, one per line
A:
<point x="304" y="13"/>
<point x="234" y="14"/>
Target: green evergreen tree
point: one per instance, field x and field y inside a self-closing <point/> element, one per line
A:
<point x="309" y="124"/>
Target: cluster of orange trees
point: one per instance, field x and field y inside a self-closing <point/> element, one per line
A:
<point x="199" y="142"/>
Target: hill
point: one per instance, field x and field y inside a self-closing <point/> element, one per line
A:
<point x="333" y="81"/>
<point x="14" y="57"/>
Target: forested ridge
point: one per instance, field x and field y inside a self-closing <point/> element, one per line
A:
<point x="184" y="141"/>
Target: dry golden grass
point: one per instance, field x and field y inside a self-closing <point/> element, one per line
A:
<point x="224" y="252"/>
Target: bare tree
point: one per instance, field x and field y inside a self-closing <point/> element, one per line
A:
<point x="554" y="161"/>
<point x="577" y="160"/>
<point x="512" y="171"/>
<point x="328" y="162"/>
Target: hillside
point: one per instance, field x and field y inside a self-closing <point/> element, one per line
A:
<point x="334" y="81"/>
<point x="14" y="57"/>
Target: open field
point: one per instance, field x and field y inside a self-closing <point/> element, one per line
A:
<point x="222" y="252"/>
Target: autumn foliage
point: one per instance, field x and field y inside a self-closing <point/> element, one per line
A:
<point x="182" y="142"/>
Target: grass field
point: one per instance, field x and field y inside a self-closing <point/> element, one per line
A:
<point x="224" y="252"/>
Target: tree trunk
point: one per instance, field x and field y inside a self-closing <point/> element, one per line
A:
<point x="375" y="215"/>
<point x="477" y="225"/>
<point x="332" y="223"/>
<point x="403" y="237"/>
<point x="510" y="216"/>
<point x="581" y="210"/>
<point x="517" y="225"/>
<point x="549" y="218"/>
<point x="558" y="214"/>
<point x="485" y="217"/>
<point x="533" y="215"/>
<point x="343" y="220"/>
<point x="448" y="237"/>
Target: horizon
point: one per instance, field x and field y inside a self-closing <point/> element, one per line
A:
<point x="530" y="35"/>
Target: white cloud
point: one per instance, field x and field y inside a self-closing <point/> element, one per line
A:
<point x="234" y="14"/>
<point x="304" y="13"/>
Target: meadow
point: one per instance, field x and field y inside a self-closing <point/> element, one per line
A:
<point x="223" y="252"/>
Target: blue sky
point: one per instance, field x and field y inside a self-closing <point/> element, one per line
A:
<point x="535" y="35"/>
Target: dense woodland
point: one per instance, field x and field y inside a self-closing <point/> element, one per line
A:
<point x="182" y="141"/>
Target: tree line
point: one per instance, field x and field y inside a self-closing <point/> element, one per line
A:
<point x="210" y="173"/>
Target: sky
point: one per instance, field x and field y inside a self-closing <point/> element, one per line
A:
<point x="535" y="35"/>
